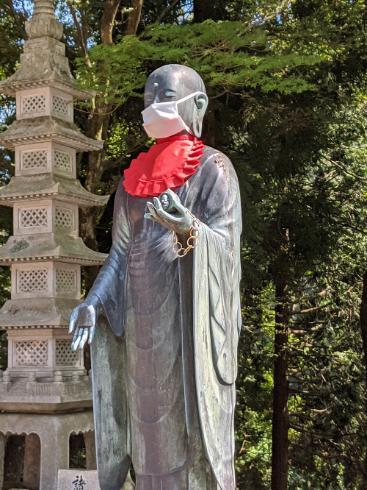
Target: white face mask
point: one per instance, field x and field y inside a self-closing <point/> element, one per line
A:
<point x="161" y="119"/>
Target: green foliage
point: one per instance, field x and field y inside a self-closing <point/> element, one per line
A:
<point x="254" y="392"/>
<point x="323" y="205"/>
<point x="12" y="34"/>
<point x="223" y="52"/>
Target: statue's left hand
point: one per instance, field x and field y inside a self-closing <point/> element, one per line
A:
<point x="177" y="218"/>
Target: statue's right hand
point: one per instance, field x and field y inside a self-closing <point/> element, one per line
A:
<point x="83" y="321"/>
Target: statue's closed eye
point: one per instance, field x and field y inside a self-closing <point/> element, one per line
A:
<point x="169" y="93"/>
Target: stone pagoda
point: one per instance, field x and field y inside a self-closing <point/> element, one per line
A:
<point x="45" y="393"/>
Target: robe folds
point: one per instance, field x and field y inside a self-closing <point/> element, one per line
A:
<point x="164" y="358"/>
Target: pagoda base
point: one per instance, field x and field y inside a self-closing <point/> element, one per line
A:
<point x="46" y="443"/>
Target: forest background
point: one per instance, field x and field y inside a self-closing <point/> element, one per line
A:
<point x="288" y="97"/>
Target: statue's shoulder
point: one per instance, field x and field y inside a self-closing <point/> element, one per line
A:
<point x="215" y="162"/>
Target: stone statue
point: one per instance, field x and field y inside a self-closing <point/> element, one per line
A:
<point x="163" y="316"/>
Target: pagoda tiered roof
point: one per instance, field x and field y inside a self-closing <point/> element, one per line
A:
<point x="12" y="85"/>
<point x="49" y="246"/>
<point x="47" y="397"/>
<point x="48" y="185"/>
<point x="43" y="313"/>
<point x="46" y="128"/>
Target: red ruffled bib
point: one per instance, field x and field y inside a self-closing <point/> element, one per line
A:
<point x="166" y="165"/>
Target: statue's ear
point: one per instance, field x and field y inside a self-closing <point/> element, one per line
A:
<point x="201" y="103"/>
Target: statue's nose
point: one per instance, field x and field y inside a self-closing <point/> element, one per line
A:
<point x="156" y="92"/>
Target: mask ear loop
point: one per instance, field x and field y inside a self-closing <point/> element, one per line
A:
<point x="174" y="101"/>
<point x="189" y="130"/>
<point x="189" y="96"/>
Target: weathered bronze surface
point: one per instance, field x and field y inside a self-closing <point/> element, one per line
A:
<point x="165" y="329"/>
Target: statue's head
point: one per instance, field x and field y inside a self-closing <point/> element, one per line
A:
<point x="165" y="86"/>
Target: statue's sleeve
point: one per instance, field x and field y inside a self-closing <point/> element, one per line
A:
<point x="110" y="410"/>
<point x="217" y="312"/>
<point x="110" y="285"/>
<point x="217" y="266"/>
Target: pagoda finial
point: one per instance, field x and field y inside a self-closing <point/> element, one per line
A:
<point x="43" y="22"/>
<point x="44" y="7"/>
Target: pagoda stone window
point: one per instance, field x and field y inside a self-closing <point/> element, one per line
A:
<point x="43" y="158"/>
<point x="45" y="101"/>
<point x="65" y="356"/>
<point x="22" y="461"/>
<point x="63" y="162"/>
<point x="32" y="218"/>
<point x="60" y="106"/>
<point x="82" y="450"/>
<point x="38" y="217"/>
<point x="66" y="282"/>
<point x="45" y="279"/>
<point x="30" y="353"/>
<point x="64" y="218"/>
<point x="43" y="353"/>
<point x="26" y="352"/>
<point x="33" y="104"/>
<point x="34" y="160"/>
<point x="32" y="281"/>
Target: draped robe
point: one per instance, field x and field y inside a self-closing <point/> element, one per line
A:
<point x="164" y="358"/>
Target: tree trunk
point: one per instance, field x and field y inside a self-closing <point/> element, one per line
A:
<point x="203" y="10"/>
<point x="363" y="321"/>
<point x="97" y="128"/>
<point x="363" y="326"/>
<point x="134" y="17"/>
<point x="280" y="422"/>
<point x="108" y="20"/>
<point x="280" y="394"/>
<point x="206" y="9"/>
<point x="209" y="131"/>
